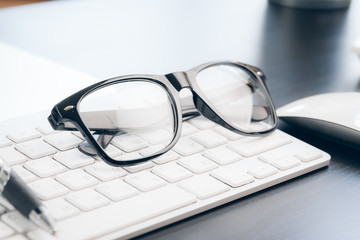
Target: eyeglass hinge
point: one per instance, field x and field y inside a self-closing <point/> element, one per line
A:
<point x="54" y="122"/>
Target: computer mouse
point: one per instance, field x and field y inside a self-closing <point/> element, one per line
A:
<point x="335" y="116"/>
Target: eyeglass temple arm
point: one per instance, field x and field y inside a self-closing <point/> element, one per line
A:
<point x="257" y="71"/>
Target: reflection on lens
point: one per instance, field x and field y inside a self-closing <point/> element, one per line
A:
<point x="237" y="96"/>
<point x="129" y="117"/>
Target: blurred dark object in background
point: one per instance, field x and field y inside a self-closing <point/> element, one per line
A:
<point x="314" y="4"/>
<point x="12" y="3"/>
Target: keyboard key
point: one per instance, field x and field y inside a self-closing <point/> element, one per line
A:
<point x="251" y="146"/>
<point x="105" y="172"/>
<point x="60" y="209"/>
<point x="151" y="150"/>
<point x="186" y="147"/>
<point x="145" y="181"/>
<point x="187" y="129"/>
<point x="269" y="156"/>
<point x="281" y="161"/>
<point x="17" y="237"/>
<point x="139" y="167"/>
<point x="129" y="156"/>
<point x="46" y="129"/>
<point x="25" y="175"/>
<point x="222" y="155"/>
<point x="63" y="140"/>
<point x="113" y="151"/>
<point x="5" y="231"/>
<point x="11" y="156"/>
<point x="76" y="179"/>
<point x="117" y="190"/>
<point x="166" y="157"/>
<point x="36" y="148"/>
<point x="201" y="123"/>
<point x="73" y="159"/>
<point x="228" y="133"/>
<point x="128" y="143"/>
<point x="172" y="172"/>
<point x="44" y="167"/>
<point x="87" y="199"/>
<point x="4" y="142"/>
<point x="108" y="219"/>
<point x="308" y="155"/>
<point x="48" y="188"/>
<point x="285" y="163"/>
<point x="78" y="134"/>
<point x="24" y="135"/>
<point x="203" y="186"/>
<point x="209" y="139"/>
<point x="156" y="136"/>
<point x="39" y="234"/>
<point x="17" y="222"/>
<point x="232" y="176"/>
<point x="262" y="170"/>
<point x="197" y="163"/>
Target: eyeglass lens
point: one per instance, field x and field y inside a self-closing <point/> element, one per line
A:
<point x="130" y="116"/>
<point x="237" y="96"/>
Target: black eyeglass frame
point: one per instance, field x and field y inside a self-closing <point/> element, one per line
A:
<point x="65" y="114"/>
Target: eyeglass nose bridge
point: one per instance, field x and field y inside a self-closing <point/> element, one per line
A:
<point x="178" y="79"/>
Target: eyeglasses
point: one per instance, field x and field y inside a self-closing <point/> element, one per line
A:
<point x="138" y="112"/>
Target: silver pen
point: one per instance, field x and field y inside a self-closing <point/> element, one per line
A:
<point x="23" y="199"/>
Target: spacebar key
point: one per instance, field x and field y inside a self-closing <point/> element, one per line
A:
<point x="119" y="215"/>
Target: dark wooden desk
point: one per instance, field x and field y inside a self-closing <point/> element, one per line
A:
<point x="302" y="53"/>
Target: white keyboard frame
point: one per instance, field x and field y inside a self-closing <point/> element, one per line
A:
<point x="200" y="206"/>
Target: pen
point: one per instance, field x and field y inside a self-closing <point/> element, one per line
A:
<point x="15" y="190"/>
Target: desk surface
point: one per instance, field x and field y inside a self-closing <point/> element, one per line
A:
<point x="302" y="53"/>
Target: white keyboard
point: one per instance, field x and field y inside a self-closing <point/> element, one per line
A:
<point x="208" y="167"/>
